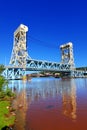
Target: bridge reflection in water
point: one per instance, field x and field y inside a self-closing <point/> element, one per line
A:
<point x="47" y="104"/>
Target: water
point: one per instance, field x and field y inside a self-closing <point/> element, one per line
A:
<point x="51" y="104"/>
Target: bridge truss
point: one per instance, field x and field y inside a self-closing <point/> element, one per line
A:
<point x="17" y="72"/>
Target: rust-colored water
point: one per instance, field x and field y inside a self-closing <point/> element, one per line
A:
<point x="52" y="104"/>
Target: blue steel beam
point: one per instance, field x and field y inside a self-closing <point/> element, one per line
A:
<point x="47" y="65"/>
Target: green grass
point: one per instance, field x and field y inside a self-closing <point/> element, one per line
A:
<point x="5" y="120"/>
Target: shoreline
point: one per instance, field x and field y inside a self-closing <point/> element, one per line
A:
<point x="7" y="113"/>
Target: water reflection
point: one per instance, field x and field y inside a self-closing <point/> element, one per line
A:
<point x="69" y="99"/>
<point x="49" y="99"/>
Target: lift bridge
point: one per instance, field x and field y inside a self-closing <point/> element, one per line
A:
<point x="21" y="62"/>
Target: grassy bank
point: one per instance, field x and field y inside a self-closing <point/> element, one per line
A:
<point x="6" y="116"/>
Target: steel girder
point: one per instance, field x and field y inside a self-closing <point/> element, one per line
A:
<point x="46" y="66"/>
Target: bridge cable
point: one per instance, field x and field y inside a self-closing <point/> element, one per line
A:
<point x="42" y="43"/>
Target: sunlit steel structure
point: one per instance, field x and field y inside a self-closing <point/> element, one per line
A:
<point x="19" y="53"/>
<point x="67" y="54"/>
<point x="21" y="62"/>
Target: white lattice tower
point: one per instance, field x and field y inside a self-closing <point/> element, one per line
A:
<point x="67" y="54"/>
<point x="19" y="55"/>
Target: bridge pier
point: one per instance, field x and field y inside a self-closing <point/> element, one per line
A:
<point x="74" y="74"/>
<point x="77" y="74"/>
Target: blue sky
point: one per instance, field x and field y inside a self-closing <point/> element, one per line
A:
<point x="50" y="22"/>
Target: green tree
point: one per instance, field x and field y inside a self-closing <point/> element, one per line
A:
<point x="3" y="81"/>
<point x="2" y="68"/>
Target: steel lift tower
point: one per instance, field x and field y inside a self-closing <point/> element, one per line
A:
<point x="19" y="55"/>
<point x="67" y="54"/>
